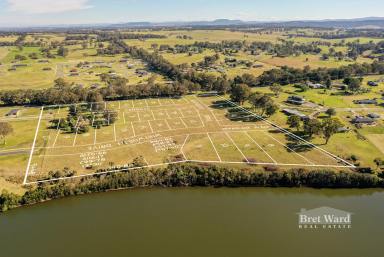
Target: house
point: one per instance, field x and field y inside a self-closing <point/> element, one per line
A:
<point x="363" y="120"/>
<point x="372" y="84"/>
<point x="43" y="61"/>
<point x="291" y="112"/>
<point x="315" y="85"/>
<point x="297" y="100"/>
<point x="343" y="130"/>
<point x="365" y="101"/>
<point x="373" y="116"/>
<point x="13" y="113"/>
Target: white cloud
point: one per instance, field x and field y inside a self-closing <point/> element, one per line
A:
<point x="47" y="6"/>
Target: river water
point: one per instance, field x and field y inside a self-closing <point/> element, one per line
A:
<point x="200" y="222"/>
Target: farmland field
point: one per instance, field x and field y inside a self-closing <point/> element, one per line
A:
<point x="167" y="130"/>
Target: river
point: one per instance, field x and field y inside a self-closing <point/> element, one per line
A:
<point x="200" y="222"/>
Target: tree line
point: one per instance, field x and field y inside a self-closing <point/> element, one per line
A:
<point x="190" y="175"/>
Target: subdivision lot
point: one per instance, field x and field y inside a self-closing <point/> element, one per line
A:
<point x="163" y="131"/>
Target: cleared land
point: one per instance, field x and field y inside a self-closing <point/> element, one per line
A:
<point x="161" y="131"/>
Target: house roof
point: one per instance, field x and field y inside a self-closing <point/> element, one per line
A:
<point x="363" y="120"/>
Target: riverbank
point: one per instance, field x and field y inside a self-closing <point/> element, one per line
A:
<point x="190" y="175"/>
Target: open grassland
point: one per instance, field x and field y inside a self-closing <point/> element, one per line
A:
<point x="161" y="131"/>
<point x="8" y="38"/>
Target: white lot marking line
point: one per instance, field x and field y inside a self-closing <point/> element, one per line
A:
<point x="33" y="147"/>
<point x="119" y="105"/>
<point x="58" y="111"/>
<point x="105" y="105"/>
<point x="262" y="149"/>
<point x="173" y="102"/>
<point x="57" y="134"/>
<point x="158" y="100"/>
<point x="289" y="149"/>
<point x="138" y="115"/>
<point x="133" y="104"/>
<point x="93" y="119"/>
<point x="133" y="129"/>
<point x="198" y="113"/>
<point x="153" y="115"/>
<point x="145" y="160"/>
<point x="114" y="131"/>
<point x="124" y="117"/>
<point x="182" y="121"/>
<point x="77" y="128"/>
<point x="150" y="126"/>
<point x="166" y="112"/>
<point x="233" y="142"/>
<point x="146" y="103"/>
<point x="214" y="147"/>
<point x="94" y="140"/>
<point x="166" y="122"/>
<point x="293" y="135"/>
<point x="182" y="114"/>
<point x="182" y="147"/>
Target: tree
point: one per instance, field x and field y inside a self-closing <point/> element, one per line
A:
<point x="262" y="102"/>
<point x="354" y="84"/>
<point x="312" y="127"/>
<point x="331" y="112"/>
<point x="5" y="130"/>
<point x="271" y="109"/>
<point x="240" y="93"/>
<point x="330" y="126"/>
<point x="294" y="121"/>
<point x="276" y="89"/>
<point x="139" y="162"/>
<point x="328" y="83"/>
<point x="62" y="51"/>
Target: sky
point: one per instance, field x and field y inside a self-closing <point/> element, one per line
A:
<point x="53" y="12"/>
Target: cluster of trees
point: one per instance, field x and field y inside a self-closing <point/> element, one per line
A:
<point x="260" y="102"/>
<point x="356" y="48"/>
<point x="310" y="127"/>
<point x="343" y="34"/>
<point x="191" y="175"/>
<point x="287" y="75"/>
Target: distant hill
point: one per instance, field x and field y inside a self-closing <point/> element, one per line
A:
<point x="369" y="22"/>
<point x="359" y="23"/>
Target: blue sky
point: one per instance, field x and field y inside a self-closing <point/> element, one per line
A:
<point x="45" y="12"/>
